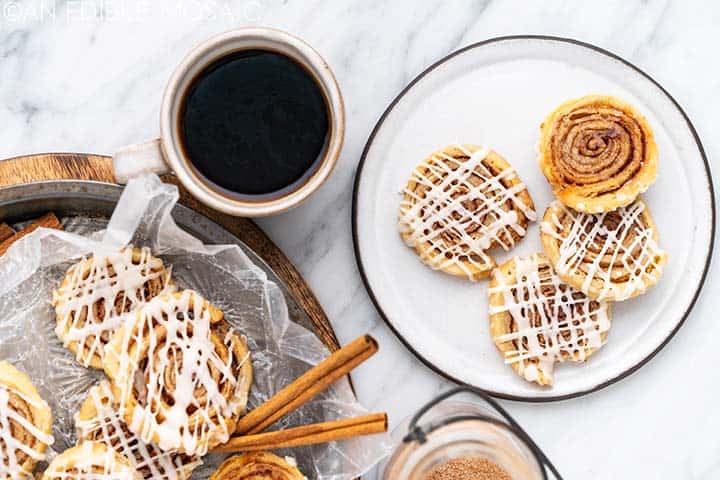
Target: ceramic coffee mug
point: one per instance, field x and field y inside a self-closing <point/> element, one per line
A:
<point x="165" y="154"/>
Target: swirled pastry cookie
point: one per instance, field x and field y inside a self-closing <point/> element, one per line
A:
<point x="536" y="320"/>
<point x="25" y="424"/>
<point x="99" y="420"/>
<point x="598" y="153"/>
<point x="459" y="204"/>
<point x="90" y="461"/>
<point x="258" y="466"/>
<point x="97" y="293"/>
<point x="607" y="256"/>
<point x="180" y="373"/>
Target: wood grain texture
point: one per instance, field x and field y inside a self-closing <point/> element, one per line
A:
<point x="6" y="231"/>
<point x="80" y="166"/>
<point x="56" y="166"/>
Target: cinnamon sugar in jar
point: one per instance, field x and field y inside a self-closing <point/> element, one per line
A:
<point x="468" y="468"/>
<point x="465" y="438"/>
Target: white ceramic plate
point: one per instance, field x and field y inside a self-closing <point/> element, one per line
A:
<point x="496" y="93"/>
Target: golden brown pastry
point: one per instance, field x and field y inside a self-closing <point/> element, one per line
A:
<point x="537" y="320"/>
<point x="608" y="256"/>
<point x="97" y="292"/>
<point x="99" y="420"/>
<point x="181" y="374"/>
<point x="90" y="461"/>
<point x="25" y="424"/>
<point x="459" y="204"/>
<point x="258" y="466"/>
<point x="598" y="153"/>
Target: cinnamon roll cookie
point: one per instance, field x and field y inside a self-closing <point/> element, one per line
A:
<point x="99" y="420"/>
<point x="537" y="320"/>
<point x="90" y="461"/>
<point x="607" y="256"/>
<point x="97" y="293"/>
<point x="25" y="424"/>
<point x="459" y="204"/>
<point x="258" y="466"/>
<point x="180" y="373"/>
<point x="598" y="153"/>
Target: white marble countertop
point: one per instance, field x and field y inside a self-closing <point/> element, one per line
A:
<point x="87" y="75"/>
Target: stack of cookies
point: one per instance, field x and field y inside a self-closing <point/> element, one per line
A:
<point x="178" y="376"/>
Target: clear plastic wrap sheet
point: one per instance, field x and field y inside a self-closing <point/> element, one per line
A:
<point x="281" y="349"/>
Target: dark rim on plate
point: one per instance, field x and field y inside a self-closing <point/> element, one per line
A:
<point x="379" y="124"/>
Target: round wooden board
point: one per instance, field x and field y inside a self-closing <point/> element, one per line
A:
<point x="82" y="166"/>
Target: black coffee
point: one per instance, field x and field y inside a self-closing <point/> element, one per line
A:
<point x="254" y="123"/>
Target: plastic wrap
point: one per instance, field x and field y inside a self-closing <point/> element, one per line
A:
<point x="281" y="349"/>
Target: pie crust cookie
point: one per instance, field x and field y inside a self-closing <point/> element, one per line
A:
<point x="90" y="461"/>
<point x="598" y="153"/>
<point x="97" y="293"/>
<point x="99" y="420"/>
<point x="25" y="424"/>
<point x="608" y="256"/>
<point x="258" y="466"/>
<point x="181" y="374"/>
<point x="537" y="320"/>
<point x="459" y="204"/>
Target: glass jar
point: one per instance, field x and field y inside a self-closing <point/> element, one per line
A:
<point x="470" y="425"/>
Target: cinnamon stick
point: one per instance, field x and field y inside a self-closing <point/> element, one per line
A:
<point x="307" y="434"/>
<point x="6" y="231"/>
<point x="49" y="220"/>
<point x="308" y="385"/>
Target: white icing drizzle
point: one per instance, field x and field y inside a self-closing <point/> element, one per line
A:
<point x="88" y="464"/>
<point x="10" y="446"/>
<point x="629" y="246"/>
<point x="537" y="315"/>
<point x="111" y="277"/>
<point x="109" y="428"/>
<point x="186" y="325"/>
<point x="446" y="207"/>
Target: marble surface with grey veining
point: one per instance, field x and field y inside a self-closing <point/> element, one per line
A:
<point x="87" y="75"/>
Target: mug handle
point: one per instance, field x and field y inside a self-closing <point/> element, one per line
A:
<point x="137" y="159"/>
